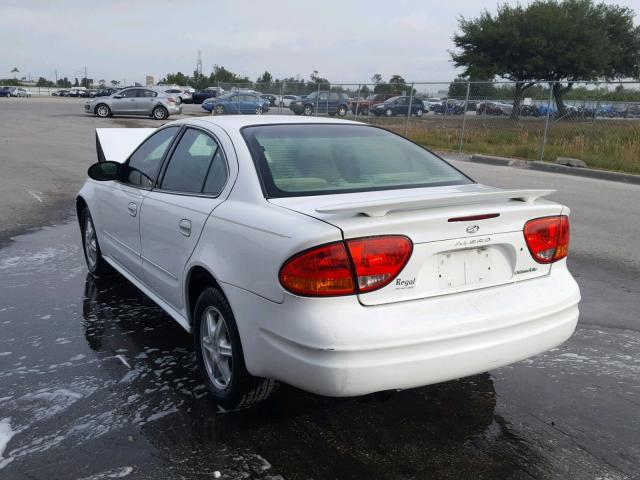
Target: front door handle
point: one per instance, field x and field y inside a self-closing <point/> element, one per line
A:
<point x="184" y="227"/>
<point x="133" y="209"/>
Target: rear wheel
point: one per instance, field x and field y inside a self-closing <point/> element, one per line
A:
<point x="159" y="113"/>
<point x="388" y="112"/>
<point x="419" y="112"/>
<point x="92" y="254"/>
<point x="103" y="111"/>
<point x="220" y="357"/>
<point x="342" y="111"/>
<point x="219" y="109"/>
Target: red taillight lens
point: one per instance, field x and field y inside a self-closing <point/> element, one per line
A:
<point x="548" y="238"/>
<point x="378" y="260"/>
<point x="321" y="271"/>
<point x="328" y="270"/>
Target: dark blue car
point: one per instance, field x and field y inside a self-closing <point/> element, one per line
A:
<point x="236" y="103"/>
<point x="399" y="106"/>
<point x="333" y="103"/>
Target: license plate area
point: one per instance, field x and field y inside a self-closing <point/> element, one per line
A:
<point x="462" y="268"/>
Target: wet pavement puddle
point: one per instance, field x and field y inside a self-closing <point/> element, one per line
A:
<point x="97" y="382"/>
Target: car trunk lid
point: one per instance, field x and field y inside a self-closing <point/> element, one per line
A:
<point x="465" y="237"/>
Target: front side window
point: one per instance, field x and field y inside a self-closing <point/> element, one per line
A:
<point x="196" y="160"/>
<point x="129" y="93"/>
<point x="146" y="160"/>
<point x="296" y="160"/>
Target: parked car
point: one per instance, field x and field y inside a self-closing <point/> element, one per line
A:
<point x="335" y="256"/>
<point x="236" y="103"/>
<point x="135" y="101"/>
<point x="183" y="94"/>
<point x="494" y="108"/>
<point x="272" y="99"/>
<point x="75" y="91"/>
<point x="285" y="100"/>
<point x="209" y="92"/>
<point x="364" y="106"/>
<point x="4" y="91"/>
<point x="333" y="103"/>
<point x="60" y="93"/>
<point x="399" y="106"/>
<point x="17" y="92"/>
<point x="106" y="92"/>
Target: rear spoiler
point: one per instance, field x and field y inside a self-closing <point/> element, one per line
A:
<point x="116" y="144"/>
<point x="379" y="208"/>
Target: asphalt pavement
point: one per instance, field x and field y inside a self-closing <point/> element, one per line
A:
<point x="97" y="382"/>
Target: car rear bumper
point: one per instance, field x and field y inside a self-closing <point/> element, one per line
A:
<point x="337" y="347"/>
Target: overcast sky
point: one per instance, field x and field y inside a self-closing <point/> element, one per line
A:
<point x="345" y="41"/>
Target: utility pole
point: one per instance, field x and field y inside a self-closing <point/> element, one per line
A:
<point x="199" y="63"/>
<point x="86" y="80"/>
<point x="56" y="73"/>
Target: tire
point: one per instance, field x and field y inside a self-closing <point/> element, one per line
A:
<point x="342" y="111"/>
<point x="307" y="110"/>
<point x="102" y="110"/>
<point x="388" y="112"/>
<point x="96" y="265"/>
<point x="419" y="112"/>
<point x="258" y="110"/>
<point x="159" y="113"/>
<point x="364" y="111"/>
<point x="220" y="357"/>
<point x="219" y="109"/>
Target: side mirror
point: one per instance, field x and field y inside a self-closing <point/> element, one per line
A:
<point x="117" y="96"/>
<point x="104" y="171"/>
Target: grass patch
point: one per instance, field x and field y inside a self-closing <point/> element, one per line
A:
<point x="606" y="144"/>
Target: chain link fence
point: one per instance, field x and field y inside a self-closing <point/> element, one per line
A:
<point x="596" y="122"/>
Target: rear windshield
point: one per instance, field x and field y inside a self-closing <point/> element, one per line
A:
<point x="312" y="159"/>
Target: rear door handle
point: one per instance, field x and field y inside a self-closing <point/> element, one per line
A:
<point x="184" y="227"/>
<point x="133" y="209"/>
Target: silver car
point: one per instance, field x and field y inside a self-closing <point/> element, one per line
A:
<point x="135" y="101"/>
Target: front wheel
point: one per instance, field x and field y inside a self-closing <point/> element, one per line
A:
<point x="219" y="109"/>
<point x="159" y="113"/>
<point x="388" y="112"/>
<point x="258" y="110"/>
<point x="342" y="111"/>
<point x="103" y="111"/>
<point x="220" y="357"/>
<point x="308" y="110"/>
<point x="92" y="254"/>
<point x="419" y="112"/>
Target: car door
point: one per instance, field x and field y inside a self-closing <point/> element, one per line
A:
<point x="323" y="102"/>
<point x="145" y="101"/>
<point x="401" y="106"/>
<point x="125" y="104"/>
<point x="119" y="203"/>
<point x="173" y="215"/>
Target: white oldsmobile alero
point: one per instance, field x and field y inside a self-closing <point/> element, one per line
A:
<point x="334" y="256"/>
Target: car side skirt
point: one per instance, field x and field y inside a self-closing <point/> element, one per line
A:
<point x="176" y="315"/>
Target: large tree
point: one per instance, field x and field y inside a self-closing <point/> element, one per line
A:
<point x="550" y="40"/>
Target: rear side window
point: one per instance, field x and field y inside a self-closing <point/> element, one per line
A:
<point x="146" y="160"/>
<point x="197" y="165"/>
<point x="296" y="160"/>
<point x="147" y="93"/>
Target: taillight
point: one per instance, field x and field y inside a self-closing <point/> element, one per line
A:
<point x="548" y="238"/>
<point x="172" y="99"/>
<point x="378" y="260"/>
<point x="328" y="270"/>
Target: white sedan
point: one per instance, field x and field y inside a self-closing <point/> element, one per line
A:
<point x="334" y="256"/>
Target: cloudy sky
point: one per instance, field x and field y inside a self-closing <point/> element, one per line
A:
<point x="346" y="41"/>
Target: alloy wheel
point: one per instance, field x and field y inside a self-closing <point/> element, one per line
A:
<point x="90" y="243"/>
<point x="216" y="348"/>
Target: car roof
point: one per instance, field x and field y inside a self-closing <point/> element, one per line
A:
<point x="236" y="122"/>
